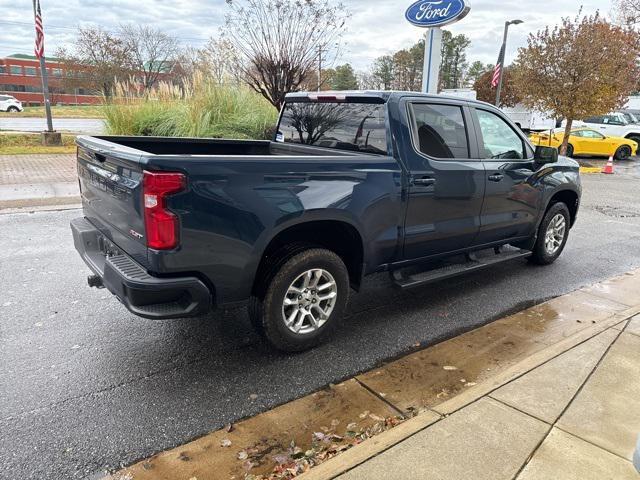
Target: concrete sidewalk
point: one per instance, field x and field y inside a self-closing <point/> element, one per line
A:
<point x="38" y="180"/>
<point x="575" y="417"/>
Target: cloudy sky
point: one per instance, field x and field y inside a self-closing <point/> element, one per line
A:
<point x="376" y="27"/>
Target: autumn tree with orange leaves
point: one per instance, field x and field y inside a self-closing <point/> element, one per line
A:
<point x="583" y="67"/>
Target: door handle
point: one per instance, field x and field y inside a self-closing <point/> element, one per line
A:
<point x="424" y="181"/>
<point x="496" y="177"/>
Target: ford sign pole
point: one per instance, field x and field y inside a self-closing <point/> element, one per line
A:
<point x="432" y="59"/>
<point x="433" y="14"/>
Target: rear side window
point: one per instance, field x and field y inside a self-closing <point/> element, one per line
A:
<point x="597" y="119"/>
<point x="440" y="130"/>
<point x="358" y="127"/>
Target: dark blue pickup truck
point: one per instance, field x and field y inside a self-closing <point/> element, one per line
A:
<point x="424" y="187"/>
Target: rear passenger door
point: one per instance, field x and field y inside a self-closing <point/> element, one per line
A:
<point x="511" y="202"/>
<point x="446" y="178"/>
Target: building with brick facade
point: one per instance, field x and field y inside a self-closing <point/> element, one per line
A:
<point x="20" y="78"/>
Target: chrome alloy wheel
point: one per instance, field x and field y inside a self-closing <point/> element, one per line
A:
<point x="554" y="236"/>
<point x="309" y="301"/>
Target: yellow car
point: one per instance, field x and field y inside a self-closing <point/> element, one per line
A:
<point x="588" y="142"/>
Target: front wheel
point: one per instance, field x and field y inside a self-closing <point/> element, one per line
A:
<point x="303" y="300"/>
<point x="623" y="152"/>
<point x="12" y="109"/>
<point x="552" y="235"/>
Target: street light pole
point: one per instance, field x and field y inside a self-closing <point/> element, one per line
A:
<point x="504" y="52"/>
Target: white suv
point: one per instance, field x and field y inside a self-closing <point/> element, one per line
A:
<point x="10" y="104"/>
<point x="612" y="125"/>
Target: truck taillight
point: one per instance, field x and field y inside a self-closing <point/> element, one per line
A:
<point x="161" y="224"/>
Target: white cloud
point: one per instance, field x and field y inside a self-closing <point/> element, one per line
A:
<point x="375" y="28"/>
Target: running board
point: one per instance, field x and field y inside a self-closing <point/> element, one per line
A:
<point x="474" y="261"/>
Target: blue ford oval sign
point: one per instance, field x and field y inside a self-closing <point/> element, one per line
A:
<point x="435" y="13"/>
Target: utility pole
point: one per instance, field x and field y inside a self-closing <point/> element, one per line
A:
<point x="49" y="137"/>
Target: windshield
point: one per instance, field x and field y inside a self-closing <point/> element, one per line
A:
<point x="346" y="126"/>
<point x="630" y="117"/>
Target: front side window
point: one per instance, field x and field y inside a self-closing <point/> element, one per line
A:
<point x="591" y="134"/>
<point x="499" y="140"/>
<point x="613" y="120"/>
<point x="356" y="127"/>
<point x="440" y="130"/>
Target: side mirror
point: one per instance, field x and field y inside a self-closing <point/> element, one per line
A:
<point x="546" y="154"/>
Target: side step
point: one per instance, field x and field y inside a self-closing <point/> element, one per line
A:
<point x="407" y="278"/>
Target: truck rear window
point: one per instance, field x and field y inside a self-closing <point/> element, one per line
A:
<point x="357" y="127"/>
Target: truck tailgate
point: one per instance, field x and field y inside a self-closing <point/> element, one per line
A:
<point x="111" y="188"/>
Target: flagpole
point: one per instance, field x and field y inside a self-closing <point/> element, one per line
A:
<point x="45" y="81"/>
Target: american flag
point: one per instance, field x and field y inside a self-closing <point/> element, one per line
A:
<point x="496" y="71"/>
<point x="39" y="47"/>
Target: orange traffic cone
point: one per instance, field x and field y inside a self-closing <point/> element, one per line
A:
<point x="608" y="168"/>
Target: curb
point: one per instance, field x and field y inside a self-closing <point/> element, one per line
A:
<point x="363" y="452"/>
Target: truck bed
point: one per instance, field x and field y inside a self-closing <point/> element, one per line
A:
<point x="206" y="146"/>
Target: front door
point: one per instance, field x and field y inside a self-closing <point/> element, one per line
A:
<point x="512" y="202"/>
<point x="446" y="180"/>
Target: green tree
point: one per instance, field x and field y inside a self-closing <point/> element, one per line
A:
<point x="454" y="59"/>
<point x="382" y="72"/>
<point x="476" y="70"/>
<point x="583" y="67"/>
<point x="344" y="78"/>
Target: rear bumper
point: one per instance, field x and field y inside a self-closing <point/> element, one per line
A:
<point x="143" y="294"/>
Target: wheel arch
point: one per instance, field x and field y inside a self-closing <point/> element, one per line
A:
<point x="337" y="235"/>
<point x="570" y="198"/>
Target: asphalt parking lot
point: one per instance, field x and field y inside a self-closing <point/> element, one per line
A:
<point x="87" y="387"/>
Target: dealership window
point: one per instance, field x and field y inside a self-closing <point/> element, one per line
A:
<point x="3" y="69"/>
<point x="57" y="72"/>
<point x="30" y="71"/>
<point x="15" y="70"/>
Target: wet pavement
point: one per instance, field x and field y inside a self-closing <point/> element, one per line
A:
<point x="86" y="386"/>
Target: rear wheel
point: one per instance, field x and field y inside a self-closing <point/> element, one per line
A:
<point x="623" y="152"/>
<point x="303" y="301"/>
<point x="552" y="235"/>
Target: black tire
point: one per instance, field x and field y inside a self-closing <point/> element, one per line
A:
<point x="12" y="109"/>
<point x="267" y="308"/>
<point x="623" y="152"/>
<point x="541" y="255"/>
<point x="570" y="151"/>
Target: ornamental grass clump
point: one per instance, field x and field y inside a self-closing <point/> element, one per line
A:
<point x="200" y="108"/>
